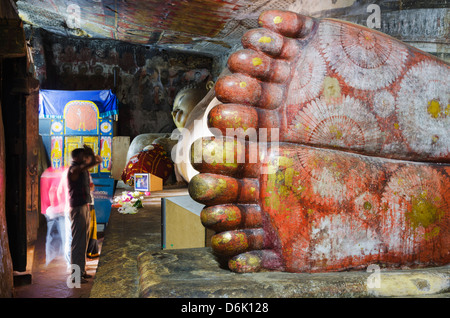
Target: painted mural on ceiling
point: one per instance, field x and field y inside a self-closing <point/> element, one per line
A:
<point x="216" y="26"/>
<point x="175" y="22"/>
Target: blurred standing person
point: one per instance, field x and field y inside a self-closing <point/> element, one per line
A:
<point x="63" y="196"/>
<point x="78" y="184"/>
<point x="54" y="214"/>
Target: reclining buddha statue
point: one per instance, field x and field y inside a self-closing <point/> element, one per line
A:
<point x="329" y="150"/>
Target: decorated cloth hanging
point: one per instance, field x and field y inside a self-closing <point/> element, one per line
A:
<point x="153" y="159"/>
<point x="75" y="118"/>
<point x="54" y="103"/>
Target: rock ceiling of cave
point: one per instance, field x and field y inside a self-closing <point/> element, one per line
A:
<point x="210" y="26"/>
<point x="206" y="26"/>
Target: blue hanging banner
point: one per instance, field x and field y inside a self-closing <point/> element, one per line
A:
<point x="53" y="103"/>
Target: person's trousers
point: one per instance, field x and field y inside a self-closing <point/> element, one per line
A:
<point x="80" y="218"/>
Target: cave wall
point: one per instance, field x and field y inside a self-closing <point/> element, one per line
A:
<point x="6" y="267"/>
<point x="145" y="80"/>
<point x="421" y="23"/>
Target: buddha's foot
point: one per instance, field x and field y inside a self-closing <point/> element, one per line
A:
<point x="362" y="173"/>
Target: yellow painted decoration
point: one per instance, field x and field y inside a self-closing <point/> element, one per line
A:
<point x="256" y="61"/>
<point x="105" y="153"/>
<point x="423" y="212"/>
<point x="336" y="131"/>
<point x="367" y="205"/>
<point x="265" y="39"/>
<point x="277" y="20"/>
<point x="56" y="155"/>
<point x="243" y="84"/>
<point x="434" y="108"/>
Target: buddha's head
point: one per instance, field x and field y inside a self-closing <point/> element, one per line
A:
<point x="185" y="101"/>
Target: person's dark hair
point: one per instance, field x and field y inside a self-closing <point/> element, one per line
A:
<point x="77" y="152"/>
<point x="88" y="151"/>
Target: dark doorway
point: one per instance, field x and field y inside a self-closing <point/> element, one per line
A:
<point x="13" y="74"/>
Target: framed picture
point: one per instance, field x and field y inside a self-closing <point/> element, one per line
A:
<point x="142" y="182"/>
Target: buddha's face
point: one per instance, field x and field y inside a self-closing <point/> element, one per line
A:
<point x="184" y="103"/>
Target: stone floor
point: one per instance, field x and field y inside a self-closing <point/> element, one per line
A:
<point x="126" y="237"/>
<point x="50" y="280"/>
<point x="115" y="272"/>
<point x="194" y="273"/>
